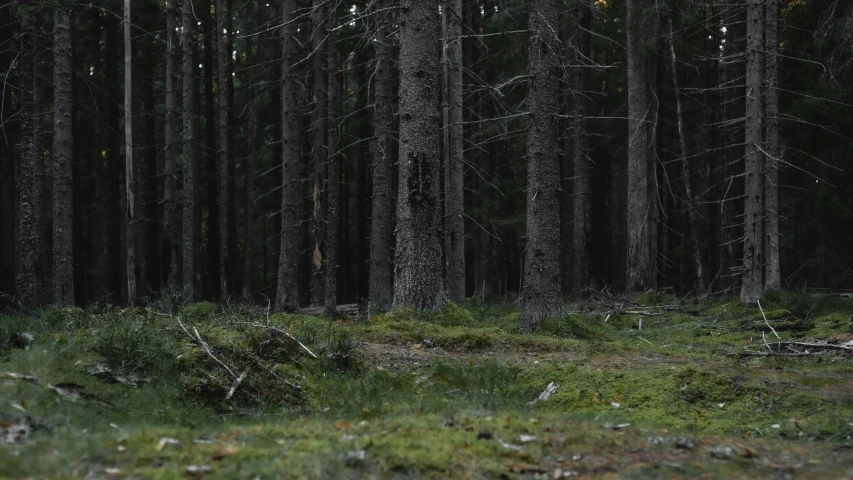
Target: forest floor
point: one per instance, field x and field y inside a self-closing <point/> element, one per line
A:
<point x="646" y="387"/>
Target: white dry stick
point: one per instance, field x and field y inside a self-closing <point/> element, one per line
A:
<point x="288" y="336"/>
<point x="206" y="349"/>
<point x="768" y="324"/>
<point x="237" y="384"/>
<point x="546" y="394"/>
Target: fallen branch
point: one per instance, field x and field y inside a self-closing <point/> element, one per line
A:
<point x="237" y="384"/>
<point x="207" y="349"/>
<point x="344" y="309"/>
<point x="287" y="335"/>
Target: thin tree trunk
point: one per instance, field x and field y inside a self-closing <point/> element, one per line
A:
<point x="252" y="151"/>
<point x="319" y="147"/>
<point x="130" y="171"/>
<point x="63" y="248"/>
<point x="418" y="258"/>
<point x="287" y="292"/>
<point x="541" y="287"/>
<point x="209" y="287"/>
<point x="640" y="265"/>
<point x="772" y="280"/>
<point x="170" y="204"/>
<point x="455" y="212"/>
<point x="333" y="173"/>
<point x="224" y="86"/>
<point x="692" y="234"/>
<point x="30" y="172"/>
<point x="382" y="223"/>
<point x="189" y="153"/>
<point x="752" y="279"/>
<point x="584" y="169"/>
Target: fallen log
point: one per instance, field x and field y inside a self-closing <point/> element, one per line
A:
<point x="350" y="309"/>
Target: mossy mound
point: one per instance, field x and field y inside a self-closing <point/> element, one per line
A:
<point x="782" y="320"/>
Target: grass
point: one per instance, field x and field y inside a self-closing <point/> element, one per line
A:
<point x="413" y="395"/>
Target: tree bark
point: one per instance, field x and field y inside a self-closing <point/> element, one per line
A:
<point x="382" y="221"/>
<point x="752" y="279"/>
<point x="584" y="168"/>
<point x="418" y="258"/>
<point x="224" y="88"/>
<point x="692" y="233"/>
<point x="252" y="152"/>
<point x="640" y="267"/>
<point x="190" y="156"/>
<point x="541" y="287"/>
<point x="319" y="147"/>
<point x="772" y="280"/>
<point x="333" y="172"/>
<point x="63" y="248"/>
<point x="30" y="172"/>
<point x="170" y="201"/>
<point x="455" y="212"/>
<point x="130" y="170"/>
<point x="287" y="291"/>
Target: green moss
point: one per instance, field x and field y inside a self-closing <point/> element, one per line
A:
<point x="583" y="327"/>
<point x="199" y="311"/>
<point x="782" y="320"/>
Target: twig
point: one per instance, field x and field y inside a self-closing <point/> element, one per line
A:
<point x="288" y="336"/>
<point x="236" y="384"/>
<point x="207" y="349"/>
<point x="767" y="322"/>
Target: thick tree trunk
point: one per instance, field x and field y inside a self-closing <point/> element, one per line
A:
<point x="63" y="248"/>
<point x="692" y="233"/>
<point x="455" y="210"/>
<point x="224" y="88"/>
<point x="333" y="172"/>
<point x="640" y="260"/>
<point x="129" y="168"/>
<point x="752" y="280"/>
<point x="190" y="158"/>
<point x="287" y="292"/>
<point x="541" y="288"/>
<point x="772" y="279"/>
<point x="209" y="286"/>
<point x="584" y="168"/>
<point x="319" y="148"/>
<point x="111" y="206"/>
<point x="382" y="222"/>
<point x="30" y="172"/>
<point x="171" y="232"/>
<point x="418" y="258"/>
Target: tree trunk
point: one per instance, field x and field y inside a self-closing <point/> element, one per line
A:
<point x="752" y="280"/>
<point x="692" y="233"/>
<point x="382" y="221"/>
<point x="541" y="288"/>
<point x="130" y="171"/>
<point x="333" y="173"/>
<point x="319" y="148"/>
<point x="190" y="158"/>
<point x="252" y="152"/>
<point x="455" y="212"/>
<point x="772" y="280"/>
<point x="63" y="275"/>
<point x="224" y="85"/>
<point x="30" y="172"/>
<point x="287" y="292"/>
<point x="584" y="168"/>
<point x="640" y="267"/>
<point x="170" y="201"/>
<point x="418" y="258"/>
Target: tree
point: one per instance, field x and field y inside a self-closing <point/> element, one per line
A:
<point x="584" y="168"/>
<point x="692" y="233"/>
<point x="129" y="168"/>
<point x="30" y="176"/>
<point x="455" y="187"/>
<point x="772" y="279"/>
<point x="190" y="157"/>
<point x="333" y="171"/>
<point x="63" y="201"/>
<point x="287" y="292"/>
<point x="418" y="257"/>
<point x="641" y="265"/>
<point x="752" y="279"/>
<point x="224" y="88"/>
<point x="319" y="145"/>
<point x="541" y="288"/>
<point x="170" y="201"/>
<point x="252" y="151"/>
<point x="381" y="224"/>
